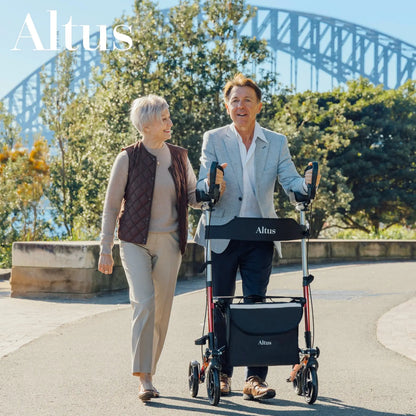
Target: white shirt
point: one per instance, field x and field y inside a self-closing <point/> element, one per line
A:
<point x="249" y="206"/>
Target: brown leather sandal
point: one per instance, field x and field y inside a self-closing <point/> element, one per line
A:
<point x="146" y="395"/>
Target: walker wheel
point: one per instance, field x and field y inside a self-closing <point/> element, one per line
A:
<point x="213" y="385"/>
<point x="297" y="382"/>
<point x="311" y="385"/>
<point x="193" y="378"/>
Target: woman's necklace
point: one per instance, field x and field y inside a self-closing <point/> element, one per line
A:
<point x="156" y="152"/>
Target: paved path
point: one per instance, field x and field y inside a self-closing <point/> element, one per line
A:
<point x="73" y="358"/>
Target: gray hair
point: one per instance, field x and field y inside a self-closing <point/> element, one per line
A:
<point x="146" y="109"/>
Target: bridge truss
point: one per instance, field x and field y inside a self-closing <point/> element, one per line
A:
<point x="304" y="46"/>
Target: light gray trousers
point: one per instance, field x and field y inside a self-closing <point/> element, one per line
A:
<point x="151" y="272"/>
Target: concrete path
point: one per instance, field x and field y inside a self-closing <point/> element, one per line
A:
<point x="73" y="358"/>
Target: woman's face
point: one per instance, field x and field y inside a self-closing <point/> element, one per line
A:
<point x="159" y="129"/>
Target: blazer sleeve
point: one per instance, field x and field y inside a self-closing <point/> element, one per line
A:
<point x="208" y="155"/>
<point x="288" y="176"/>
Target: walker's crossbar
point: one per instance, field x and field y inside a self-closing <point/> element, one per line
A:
<point x="261" y="300"/>
<point x="258" y="229"/>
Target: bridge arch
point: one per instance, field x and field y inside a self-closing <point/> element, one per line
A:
<point x="341" y="49"/>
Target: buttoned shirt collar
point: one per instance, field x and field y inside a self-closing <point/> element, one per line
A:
<point x="258" y="132"/>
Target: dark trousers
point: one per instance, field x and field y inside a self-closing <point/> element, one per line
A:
<point x="254" y="260"/>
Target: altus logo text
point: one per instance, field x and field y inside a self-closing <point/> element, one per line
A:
<point x="29" y="31"/>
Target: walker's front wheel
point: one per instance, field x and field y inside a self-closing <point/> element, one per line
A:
<point x="311" y="385"/>
<point x="213" y="385"/>
<point x="193" y="378"/>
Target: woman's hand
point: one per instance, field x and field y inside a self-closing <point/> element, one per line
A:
<point x="105" y="263"/>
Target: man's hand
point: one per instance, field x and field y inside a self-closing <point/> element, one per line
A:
<point x="219" y="178"/>
<point x="105" y="263"/>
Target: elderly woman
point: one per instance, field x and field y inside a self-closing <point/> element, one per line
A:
<point x="151" y="184"/>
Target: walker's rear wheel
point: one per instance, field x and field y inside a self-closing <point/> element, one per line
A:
<point x="193" y="378"/>
<point x="213" y="385"/>
<point x="311" y="385"/>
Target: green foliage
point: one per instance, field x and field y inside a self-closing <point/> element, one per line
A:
<point x="9" y="130"/>
<point x="363" y="137"/>
<point x="24" y="178"/>
<point x="5" y="255"/>
<point x="75" y="181"/>
<point x="395" y="232"/>
<point x="315" y="126"/>
<point x="379" y="163"/>
<point x="57" y="97"/>
<point x="180" y="57"/>
<point x="365" y="141"/>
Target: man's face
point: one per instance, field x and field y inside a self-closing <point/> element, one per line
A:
<point x="243" y="107"/>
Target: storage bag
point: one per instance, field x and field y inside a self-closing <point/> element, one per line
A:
<point x="263" y="334"/>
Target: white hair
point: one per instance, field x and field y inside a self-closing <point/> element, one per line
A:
<point x="146" y="109"/>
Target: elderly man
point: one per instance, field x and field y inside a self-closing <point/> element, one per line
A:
<point x="253" y="159"/>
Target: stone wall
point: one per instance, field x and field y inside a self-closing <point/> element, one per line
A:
<point x="69" y="269"/>
<point x="61" y="269"/>
<point x="330" y="251"/>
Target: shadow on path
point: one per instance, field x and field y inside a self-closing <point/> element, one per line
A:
<point x="325" y="406"/>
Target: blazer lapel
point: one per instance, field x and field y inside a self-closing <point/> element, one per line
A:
<point x="233" y="153"/>
<point x="260" y="155"/>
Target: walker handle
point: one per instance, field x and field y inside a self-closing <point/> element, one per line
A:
<point x="213" y="194"/>
<point x="214" y="189"/>
<point x="297" y="197"/>
<point x="312" y="186"/>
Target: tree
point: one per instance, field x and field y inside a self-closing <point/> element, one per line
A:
<point x="315" y="126"/>
<point x="380" y="162"/>
<point x="181" y="57"/>
<point x="9" y="135"/>
<point x="203" y="54"/>
<point x="9" y="130"/>
<point x="24" y="178"/>
<point x="85" y="159"/>
<point x="57" y="97"/>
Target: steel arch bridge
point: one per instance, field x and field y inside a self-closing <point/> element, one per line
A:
<point x="338" y="49"/>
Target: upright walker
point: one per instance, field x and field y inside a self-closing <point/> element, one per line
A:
<point x="263" y="332"/>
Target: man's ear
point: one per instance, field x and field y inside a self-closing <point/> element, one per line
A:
<point x="226" y="107"/>
<point x="260" y="107"/>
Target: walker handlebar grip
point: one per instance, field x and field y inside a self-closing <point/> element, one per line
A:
<point x="312" y="186"/>
<point x="214" y="189"/>
<point x="213" y="194"/>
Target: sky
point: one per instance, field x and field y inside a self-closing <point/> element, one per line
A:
<point x="395" y="18"/>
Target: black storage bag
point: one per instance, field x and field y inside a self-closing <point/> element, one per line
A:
<point x="263" y="334"/>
